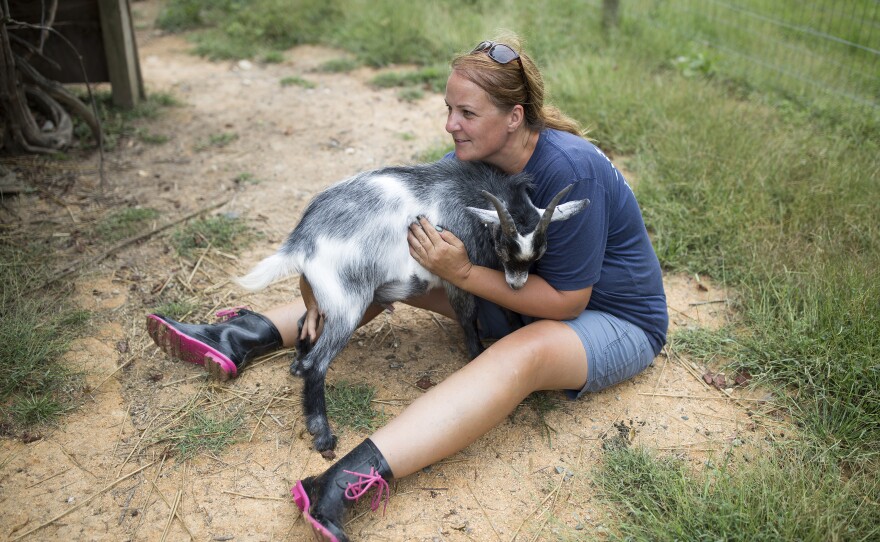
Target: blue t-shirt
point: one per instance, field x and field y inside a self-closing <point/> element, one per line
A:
<point x="606" y="246"/>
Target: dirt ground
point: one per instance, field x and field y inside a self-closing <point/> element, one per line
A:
<point x="101" y="474"/>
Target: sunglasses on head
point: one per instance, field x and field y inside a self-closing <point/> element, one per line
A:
<point x="503" y="54"/>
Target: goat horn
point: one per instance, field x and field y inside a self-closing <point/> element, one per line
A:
<point x="548" y="212"/>
<point x="507" y="224"/>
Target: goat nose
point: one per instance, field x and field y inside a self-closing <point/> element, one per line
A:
<point x="517" y="281"/>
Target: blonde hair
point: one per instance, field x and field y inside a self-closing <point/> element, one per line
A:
<point x="506" y="87"/>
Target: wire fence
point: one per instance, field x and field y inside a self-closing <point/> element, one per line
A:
<point x="816" y="50"/>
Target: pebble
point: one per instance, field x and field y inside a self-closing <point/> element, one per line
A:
<point x="568" y="473"/>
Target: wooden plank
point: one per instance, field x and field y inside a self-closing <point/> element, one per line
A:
<point x="77" y="21"/>
<point x="120" y="49"/>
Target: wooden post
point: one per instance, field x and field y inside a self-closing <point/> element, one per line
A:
<point x="120" y="50"/>
<point x="610" y="13"/>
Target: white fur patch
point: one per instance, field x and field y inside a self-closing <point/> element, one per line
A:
<point x="322" y="271"/>
<point x="526" y="246"/>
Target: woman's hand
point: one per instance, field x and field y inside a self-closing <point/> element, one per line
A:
<point x="313" y="324"/>
<point x="439" y="251"/>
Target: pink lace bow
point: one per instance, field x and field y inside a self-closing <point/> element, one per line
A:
<point x="356" y="490"/>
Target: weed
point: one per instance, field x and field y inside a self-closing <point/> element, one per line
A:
<point x="410" y="94"/>
<point x="35" y="331"/>
<point x="151" y="138"/>
<point x="216" y="141"/>
<point x="205" y="432"/>
<point x="246" y="178"/>
<point x="542" y="403"/>
<point x="181" y="15"/>
<point x="339" y="65"/>
<point x="431" y="78"/>
<point x="125" y="223"/>
<point x="177" y="310"/>
<point x="350" y="405"/>
<point x="35" y="410"/>
<point x="221" y="232"/>
<point x="230" y="29"/>
<point x="435" y="153"/>
<point x="118" y="123"/>
<point x="296" y="80"/>
<point x="273" y="57"/>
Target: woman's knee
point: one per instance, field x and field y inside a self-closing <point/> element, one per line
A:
<point x="548" y="354"/>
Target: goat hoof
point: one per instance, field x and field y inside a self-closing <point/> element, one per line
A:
<point x="303" y="347"/>
<point x="298" y="369"/>
<point x="325" y="443"/>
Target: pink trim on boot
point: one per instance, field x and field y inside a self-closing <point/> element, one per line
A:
<point x="226" y="314"/>
<point x="180" y="346"/>
<point x="301" y="499"/>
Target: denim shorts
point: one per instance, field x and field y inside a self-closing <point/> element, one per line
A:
<point x="616" y="349"/>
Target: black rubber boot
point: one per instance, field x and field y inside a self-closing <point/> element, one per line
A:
<point x="324" y="499"/>
<point x="223" y="348"/>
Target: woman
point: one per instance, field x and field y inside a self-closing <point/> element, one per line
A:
<point x="592" y="314"/>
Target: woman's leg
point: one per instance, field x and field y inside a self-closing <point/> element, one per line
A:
<point x="449" y="417"/>
<point x="477" y="397"/>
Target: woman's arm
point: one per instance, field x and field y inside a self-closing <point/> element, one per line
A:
<point x="443" y="254"/>
<point x="313" y="324"/>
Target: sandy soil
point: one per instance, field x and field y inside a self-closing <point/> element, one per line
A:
<point x="102" y="475"/>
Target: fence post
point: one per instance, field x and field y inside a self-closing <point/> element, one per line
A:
<point x="120" y="49"/>
<point x="610" y="12"/>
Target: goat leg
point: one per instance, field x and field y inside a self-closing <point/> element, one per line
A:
<point x="338" y="329"/>
<point x="303" y="347"/>
<point x="472" y="337"/>
<point x="315" y="410"/>
<point x="465" y="307"/>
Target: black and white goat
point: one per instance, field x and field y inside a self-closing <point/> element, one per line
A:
<point x="351" y="246"/>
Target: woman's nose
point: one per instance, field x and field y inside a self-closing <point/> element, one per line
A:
<point x="451" y="123"/>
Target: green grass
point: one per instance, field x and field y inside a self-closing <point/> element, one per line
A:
<point x="542" y="403"/>
<point x="176" y="309"/>
<point x="37" y="326"/>
<point x="35" y="332"/>
<point x="783" y="495"/>
<point x="435" y="153"/>
<point x="413" y="84"/>
<point x="339" y="65"/>
<point x="232" y="29"/>
<point x="216" y="141"/>
<point x="125" y="223"/>
<point x="205" y="432"/>
<point x="296" y="80"/>
<point x="220" y="232"/>
<point x="246" y="178"/>
<point x="350" y="405"/>
<point x="118" y="123"/>
<point x="432" y="78"/>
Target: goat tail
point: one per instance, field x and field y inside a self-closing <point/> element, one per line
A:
<point x="275" y="267"/>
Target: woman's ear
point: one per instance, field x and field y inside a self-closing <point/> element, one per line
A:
<point x="517" y="116"/>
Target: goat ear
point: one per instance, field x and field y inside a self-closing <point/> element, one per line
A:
<point x="485" y="215"/>
<point x="569" y="209"/>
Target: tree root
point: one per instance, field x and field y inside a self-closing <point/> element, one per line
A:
<point x="23" y="87"/>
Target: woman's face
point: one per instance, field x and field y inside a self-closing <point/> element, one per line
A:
<point x="479" y="129"/>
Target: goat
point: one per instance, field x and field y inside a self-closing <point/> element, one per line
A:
<point x="351" y="247"/>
